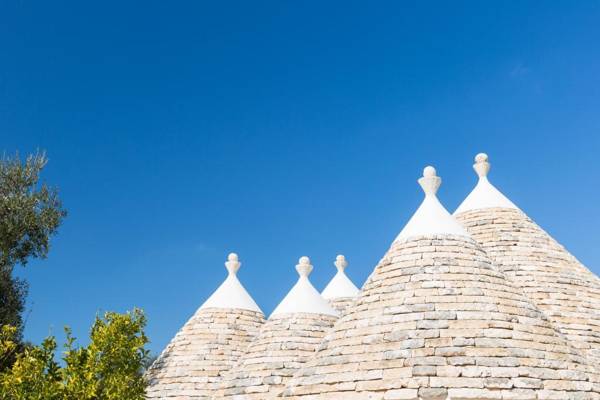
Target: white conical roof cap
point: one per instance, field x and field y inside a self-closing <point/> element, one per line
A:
<point x="231" y="293"/>
<point x="340" y="285"/>
<point x="303" y="297"/>
<point x="484" y="195"/>
<point x="431" y="218"/>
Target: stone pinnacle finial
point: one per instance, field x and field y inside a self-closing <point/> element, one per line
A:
<point x="303" y="267"/>
<point x="481" y="166"/>
<point x="232" y="264"/>
<point x="340" y="262"/>
<point x="430" y="182"/>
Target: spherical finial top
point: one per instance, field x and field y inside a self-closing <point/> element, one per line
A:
<point x="430" y="182"/>
<point x="232" y="264"/>
<point x="481" y="157"/>
<point x="340" y="262"/>
<point x="481" y="166"/>
<point x="303" y="267"/>
<point x="429" y="171"/>
<point x="304" y="260"/>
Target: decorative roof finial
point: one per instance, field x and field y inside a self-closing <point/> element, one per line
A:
<point x="431" y="218"/>
<point x="340" y="262"/>
<point x="303" y="267"/>
<point x="430" y="182"/>
<point x="484" y="195"/>
<point x="231" y="293"/>
<point x="340" y="286"/>
<point x="303" y="298"/>
<point x="232" y="264"/>
<point x="481" y="166"/>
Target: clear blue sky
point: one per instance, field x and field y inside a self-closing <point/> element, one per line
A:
<point x="178" y="133"/>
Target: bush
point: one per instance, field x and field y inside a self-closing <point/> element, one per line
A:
<point x="109" y="368"/>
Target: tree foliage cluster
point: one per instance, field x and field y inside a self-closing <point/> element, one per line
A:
<point x="111" y="366"/>
<point x="108" y="368"/>
<point x="30" y="213"/>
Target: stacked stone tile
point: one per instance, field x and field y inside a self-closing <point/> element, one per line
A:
<point x="342" y="304"/>
<point x="208" y="345"/>
<point x="285" y="342"/>
<point x="565" y="290"/>
<point x="488" y="308"/>
<point x="340" y="291"/>
<point x="438" y="320"/>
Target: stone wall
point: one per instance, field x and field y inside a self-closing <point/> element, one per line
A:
<point x="566" y="291"/>
<point x="284" y="344"/>
<point x="437" y="320"/>
<point x="341" y="304"/>
<point x="210" y="343"/>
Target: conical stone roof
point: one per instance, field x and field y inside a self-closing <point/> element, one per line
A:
<point x="565" y="290"/>
<point x="285" y="342"/>
<point x="209" y="344"/>
<point x="340" y="291"/>
<point x="438" y="320"/>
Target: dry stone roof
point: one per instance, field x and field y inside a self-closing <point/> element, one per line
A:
<point x="565" y="290"/>
<point x="209" y="344"/>
<point x="285" y="342"/>
<point x="482" y="305"/>
<point x="436" y="320"/>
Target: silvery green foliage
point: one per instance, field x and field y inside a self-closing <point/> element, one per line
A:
<point x="30" y="211"/>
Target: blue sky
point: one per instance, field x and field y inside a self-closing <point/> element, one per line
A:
<point x="178" y="133"/>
